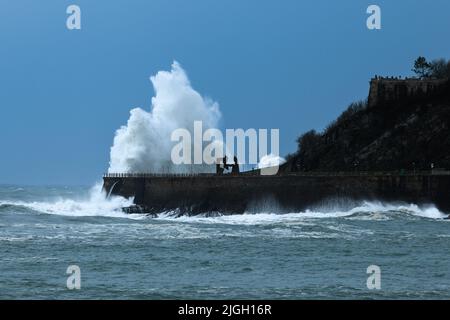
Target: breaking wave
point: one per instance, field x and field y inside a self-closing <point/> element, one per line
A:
<point x="144" y="144"/>
<point x="98" y="204"/>
<point x="365" y="211"/>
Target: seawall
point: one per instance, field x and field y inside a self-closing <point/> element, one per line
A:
<point x="285" y="193"/>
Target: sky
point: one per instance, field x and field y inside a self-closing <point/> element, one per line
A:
<point x="288" y="64"/>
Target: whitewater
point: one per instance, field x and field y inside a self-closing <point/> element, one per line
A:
<point x="97" y="203"/>
<point x="322" y="252"/>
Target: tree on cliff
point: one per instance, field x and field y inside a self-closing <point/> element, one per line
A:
<point x="308" y="140"/>
<point x="440" y="68"/>
<point x="308" y="144"/>
<point x="422" y="68"/>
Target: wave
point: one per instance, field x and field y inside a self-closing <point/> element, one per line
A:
<point x="367" y="210"/>
<point x="98" y="204"/>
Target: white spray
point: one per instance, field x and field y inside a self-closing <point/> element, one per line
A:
<point x="144" y="144"/>
<point x="270" y="160"/>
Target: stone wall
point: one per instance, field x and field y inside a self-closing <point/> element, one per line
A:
<point x="282" y="193"/>
<point x="384" y="90"/>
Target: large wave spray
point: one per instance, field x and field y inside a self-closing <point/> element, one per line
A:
<point x="144" y="145"/>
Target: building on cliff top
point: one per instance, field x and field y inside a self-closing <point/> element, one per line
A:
<point x="385" y="89"/>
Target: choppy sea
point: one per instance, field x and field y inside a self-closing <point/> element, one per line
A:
<point x="322" y="253"/>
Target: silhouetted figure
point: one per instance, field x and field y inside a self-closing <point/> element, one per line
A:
<point x="235" y="168"/>
<point x="219" y="169"/>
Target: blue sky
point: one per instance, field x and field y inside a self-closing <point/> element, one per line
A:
<point x="293" y="65"/>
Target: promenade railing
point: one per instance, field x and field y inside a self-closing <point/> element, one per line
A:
<point x="300" y="173"/>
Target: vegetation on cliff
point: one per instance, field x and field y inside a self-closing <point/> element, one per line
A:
<point x="439" y="68"/>
<point x="406" y="134"/>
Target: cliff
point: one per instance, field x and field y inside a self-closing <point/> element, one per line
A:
<point x="404" y="126"/>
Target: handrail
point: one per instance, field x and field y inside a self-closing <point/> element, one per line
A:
<point x="303" y="173"/>
<point x="152" y="175"/>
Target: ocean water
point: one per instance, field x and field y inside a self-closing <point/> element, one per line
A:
<point x="321" y="253"/>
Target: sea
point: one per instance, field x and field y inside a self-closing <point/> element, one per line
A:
<point x="61" y="242"/>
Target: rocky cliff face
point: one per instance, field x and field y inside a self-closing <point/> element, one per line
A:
<point x="409" y="133"/>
